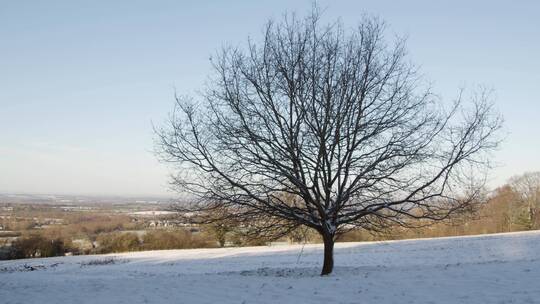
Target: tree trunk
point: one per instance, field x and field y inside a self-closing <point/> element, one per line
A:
<point x="532" y="216"/>
<point x="328" y="264"/>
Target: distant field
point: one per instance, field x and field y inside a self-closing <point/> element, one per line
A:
<point x="501" y="268"/>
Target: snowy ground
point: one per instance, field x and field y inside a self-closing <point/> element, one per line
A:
<point x="503" y="268"/>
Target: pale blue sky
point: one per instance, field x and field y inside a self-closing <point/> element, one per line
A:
<point x="81" y="82"/>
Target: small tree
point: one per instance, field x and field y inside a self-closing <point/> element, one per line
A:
<point x="527" y="187"/>
<point x="330" y="129"/>
<point x="219" y="223"/>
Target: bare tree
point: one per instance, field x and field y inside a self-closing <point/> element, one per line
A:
<point x="527" y="187"/>
<point x="327" y="128"/>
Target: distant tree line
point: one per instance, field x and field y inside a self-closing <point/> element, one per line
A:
<point x="38" y="244"/>
<point x="511" y="207"/>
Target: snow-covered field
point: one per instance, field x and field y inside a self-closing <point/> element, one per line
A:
<point x="502" y="268"/>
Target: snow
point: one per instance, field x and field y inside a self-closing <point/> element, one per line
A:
<point x="500" y="268"/>
<point x="153" y="213"/>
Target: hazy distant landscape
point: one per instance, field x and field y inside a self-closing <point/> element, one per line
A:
<point x="52" y="225"/>
<point x="269" y="152"/>
<point x="57" y="225"/>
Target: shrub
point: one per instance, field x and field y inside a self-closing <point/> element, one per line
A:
<point x="118" y="242"/>
<point x="35" y="245"/>
<point x="173" y="239"/>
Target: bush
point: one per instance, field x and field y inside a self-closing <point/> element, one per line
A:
<point x="118" y="242"/>
<point x="177" y="239"/>
<point x="34" y="245"/>
<point x="151" y="240"/>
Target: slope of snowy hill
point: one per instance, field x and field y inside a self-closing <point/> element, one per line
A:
<point x="501" y="268"/>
